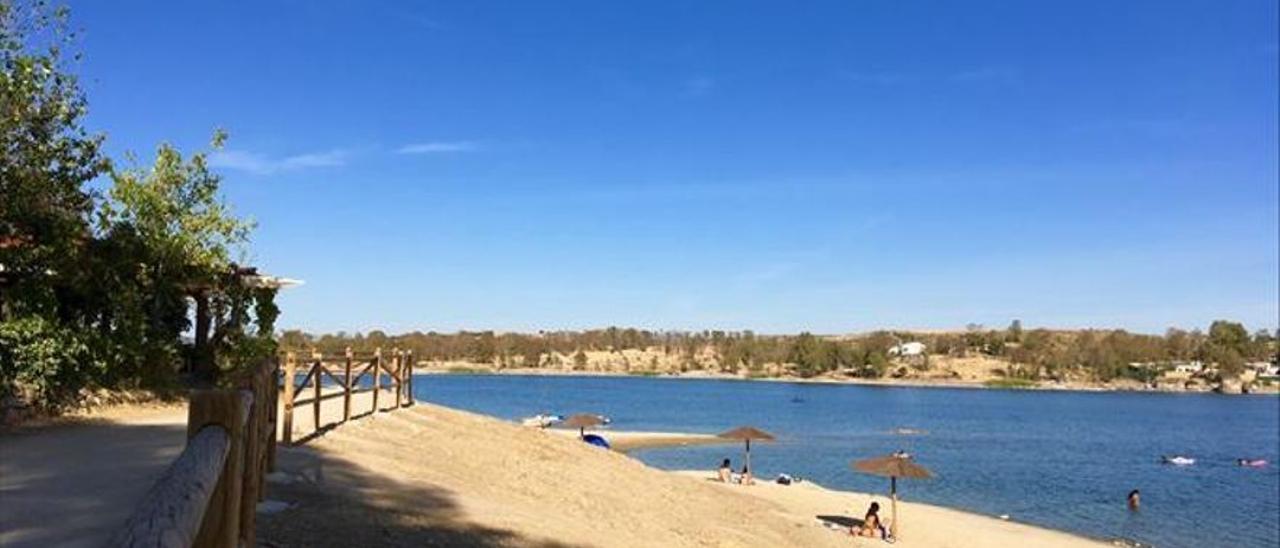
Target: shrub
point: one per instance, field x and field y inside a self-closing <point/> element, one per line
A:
<point x="45" y="363"/>
<point x="1009" y="383"/>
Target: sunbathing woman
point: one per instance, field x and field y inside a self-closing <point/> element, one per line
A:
<point x="871" y="526"/>
<point x="725" y="473"/>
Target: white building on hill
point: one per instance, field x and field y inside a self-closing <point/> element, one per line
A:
<point x="908" y="349"/>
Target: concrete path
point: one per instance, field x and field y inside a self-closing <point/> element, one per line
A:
<point x="75" y="484"/>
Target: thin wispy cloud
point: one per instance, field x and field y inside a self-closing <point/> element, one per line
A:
<point x="699" y="86"/>
<point x="437" y="147"/>
<point x="252" y="162"/>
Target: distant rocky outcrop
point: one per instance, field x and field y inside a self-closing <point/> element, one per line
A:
<point x="1231" y="385"/>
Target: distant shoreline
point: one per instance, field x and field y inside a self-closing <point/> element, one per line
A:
<point x="473" y="369"/>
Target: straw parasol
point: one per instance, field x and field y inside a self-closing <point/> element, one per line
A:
<point x="747" y="433"/>
<point x="582" y="421"/>
<point x="893" y="466"/>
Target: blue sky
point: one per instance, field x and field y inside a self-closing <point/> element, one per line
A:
<point x="834" y="167"/>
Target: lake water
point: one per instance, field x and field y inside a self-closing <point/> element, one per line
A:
<point x="1063" y="460"/>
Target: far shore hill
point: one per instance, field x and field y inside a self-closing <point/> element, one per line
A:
<point x="980" y="379"/>
<point x="1226" y="358"/>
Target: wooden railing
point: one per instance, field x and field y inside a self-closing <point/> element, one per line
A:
<point x="209" y="495"/>
<point x="345" y="372"/>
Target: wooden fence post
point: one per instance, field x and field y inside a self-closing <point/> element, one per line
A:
<point x="410" y="392"/>
<point x="273" y="412"/>
<point x="346" y="387"/>
<point x="290" y="371"/>
<point x="315" y="409"/>
<point x="377" y="376"/>
<point x="259" y="385"/>
<point x="399" y="377"/>
<point x="227" y="409"/>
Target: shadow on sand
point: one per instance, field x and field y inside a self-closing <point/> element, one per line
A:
<point x="76" y="484"/>
<point x="842" y="521"/>
<point x="335" y="503"/>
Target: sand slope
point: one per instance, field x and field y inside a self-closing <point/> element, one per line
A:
<point x="431" y="475"/>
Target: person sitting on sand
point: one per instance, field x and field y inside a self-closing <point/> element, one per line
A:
<point x="725" y="473"/>
<point x="871" y="526"/>
<point x="745" y="477"/>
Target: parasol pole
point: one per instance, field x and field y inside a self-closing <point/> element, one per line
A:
<point x="893" y="492"/>
<point x="749" y="455"/>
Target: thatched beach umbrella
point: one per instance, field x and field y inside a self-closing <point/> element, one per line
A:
<point x="582" y="421"/>
<point x="893" y="466"/>
<point x="747" y="433"/>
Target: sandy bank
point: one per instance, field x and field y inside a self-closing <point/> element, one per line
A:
<point x="920" y="524"/>
<point x="430" y="475"/>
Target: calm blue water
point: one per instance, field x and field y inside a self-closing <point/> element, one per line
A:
<point x="1058" y="459"/>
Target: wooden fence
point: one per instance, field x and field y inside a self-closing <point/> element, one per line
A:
<point x="209" y="495"/>
<point x="346" y="373"/>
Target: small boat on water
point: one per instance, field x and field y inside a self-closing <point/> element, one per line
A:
<point x="541" y="420"/>
<point x="1252" y="463"/>
<point x="1177" y="460"/>
<point x="909" y="432"/>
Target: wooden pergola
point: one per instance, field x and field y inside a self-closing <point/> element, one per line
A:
<point x="248" y="276"/>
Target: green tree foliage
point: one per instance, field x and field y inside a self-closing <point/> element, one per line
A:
<point x="1014" y="332"/>
<point x="49" y="362"/>
<point x="178" y="237"/>
<point x="1228" y="345"/>
<point x="807" y="355"/>
<point x="95" y="289"/>
<point x="175" y="207"/>
<point x="46" y="159"/>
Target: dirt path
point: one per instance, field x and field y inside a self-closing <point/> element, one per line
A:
<point x="74" y="484"/>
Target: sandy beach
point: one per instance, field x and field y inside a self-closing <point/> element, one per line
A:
<point x="431" y="475"/>
<point x="920" y="524"/>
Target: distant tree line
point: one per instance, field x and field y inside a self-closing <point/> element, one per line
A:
<point x="1039" y="353"/>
